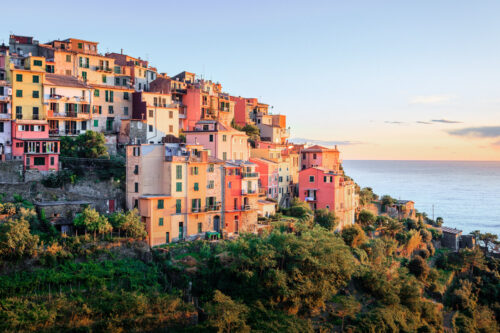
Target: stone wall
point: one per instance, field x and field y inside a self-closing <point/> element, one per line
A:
<point x="92" y="190"/>
<point x="11" y="172"/>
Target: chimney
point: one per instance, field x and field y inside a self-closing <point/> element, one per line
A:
<point x="335" y="147"/>
<point x="121" y="51"/>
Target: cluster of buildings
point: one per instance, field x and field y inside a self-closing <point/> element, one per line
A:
<point x="190" y="168"/>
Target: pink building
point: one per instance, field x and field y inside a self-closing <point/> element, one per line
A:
<point x="31" y="143"/>
<point x="224" y="142"/>
<point x="269" y="176"/>
<point x="318" y="156"/>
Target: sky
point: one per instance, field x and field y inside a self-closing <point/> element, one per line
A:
<point x="410" y="80"/>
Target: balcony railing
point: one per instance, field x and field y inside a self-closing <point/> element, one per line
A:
<point x="57" y="132"/>
<point x="248" y="191"/>
<point x="103" y="69"/>
<point x="5" y="116"/>
<point x="212" y="208"/>
<point x="250" y="175"/>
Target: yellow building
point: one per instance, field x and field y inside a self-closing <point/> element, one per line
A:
<point x="27" y="89"/>
<point x="110" y="105"/>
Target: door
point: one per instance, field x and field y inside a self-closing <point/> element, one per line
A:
<point x="167" y="237"/>
<point x="236" y="225"/>
<point x="217" y="223"/>
<point x="111" y="205"/>
<point x="181" y="230"/>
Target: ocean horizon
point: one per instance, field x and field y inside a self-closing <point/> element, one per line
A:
<point x="466" y="194"/>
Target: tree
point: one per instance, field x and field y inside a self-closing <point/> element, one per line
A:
<point x="252" y="131"/>
<point x="346" y="307"/>
<point x="366" y="196"/>
<point x="387" y="200"/>
<point x="439" y="221"/>
<point x="353" y="235"/>
<point x="132" y="224"/>
<point x="326" y="219"/>
<point x="487" y="239"/>
<point x="426" y="235"/>
<point x="16" y="241"/>
<point x="91" y="220"/>
<point x="366" y="218"/>
<point x="418" y="267"/>
<point x="88" y="145"/>
<point x="226" y="315"/>
<point x="300" y="209"/>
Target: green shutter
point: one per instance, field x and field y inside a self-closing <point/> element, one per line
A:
<point x="107" y="95"/>
<point x="96" y="123"/>
<point x="178" y="187"/>
<point x="196" y="187"/>
<point x="111" y="96"/>
<point x="161" y="221"/>
<point x="96" y="92"/>
<point x="178" y="172"/>
<point x="80" y="61"/>
<point x="178" y="206"/>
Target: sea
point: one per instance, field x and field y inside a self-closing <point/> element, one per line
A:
<point x="465" y="194"/>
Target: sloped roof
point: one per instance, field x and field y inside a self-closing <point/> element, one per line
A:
<point x="64" y="81"/>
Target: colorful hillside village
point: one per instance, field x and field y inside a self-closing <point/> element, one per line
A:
<point x="191" y="168"/>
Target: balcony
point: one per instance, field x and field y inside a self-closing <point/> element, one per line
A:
<point x="7" y="116"/>
<point x="250" y="175"/>
<point x="196" y="209"/>
<point x="245" y="191"/>
<point x="57" y="132"/>
<point x="212" y="208"/>
<point x="307" y="199"/>
<point x="103" y="69"/>
<point x="5" y="99"/>
<point x="68" y="114"/>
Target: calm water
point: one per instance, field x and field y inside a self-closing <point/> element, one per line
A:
<point x="465" y="194"/>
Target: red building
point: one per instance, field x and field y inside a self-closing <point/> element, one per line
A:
<point x="318" y="156"/>
<point x="31" y="143"/>
<point x="240" y="197"/>
<point x="269" y="175"/>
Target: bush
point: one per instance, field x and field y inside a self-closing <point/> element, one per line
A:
<point x="418" y="267"/>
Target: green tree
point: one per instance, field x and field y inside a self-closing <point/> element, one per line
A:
<point x="366" y="218"/>
<point x="346" y="306"/>
<point x="16" y="241"/>
<point x="300" y="209"/>
<point x="226" y="315"/>
<point x="488" y="239"/>
<point x="353" y="235"/>
<point x="387" y="200"/>
<point x="366" y="196"/>
<point x="132" y="224"/>
<point x="252" y="131"/>
<point x="88" y="145"/>
<point x="91" y="221"/>
<point x="326" y="219"/>
<point x="418" y="267"/>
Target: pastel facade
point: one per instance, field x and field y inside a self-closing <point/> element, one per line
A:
<point x="323" y="185"/>
<point x="273" y="128"/>
<point x="110" y="105"/>
<point x="5" y="119"/>
<point x="67" y="105"/>
<point x="240" y="197"/>
<point x="159" y="114"/>
<point x="223" y="142"/>
<point x="269" y="175"/>
<point x="140" y="73"/>
<point x="189" y="182"/>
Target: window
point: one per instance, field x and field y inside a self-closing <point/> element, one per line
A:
<point x="136" y="187"/>
<point x="224" y="138"/>
<point x="196" y="187"/>
<point x="211" y="138"/>
<point x="39" y="161"/>
<point x="171" y="114"/>
<point x="68" y="57"/>
<point x="194" y="170"/>
<point x="125" y="110"/>
<point x="171" y="128"/>
<point x="84" y="76"/>
<point x="151" y="128"/>
<point x="1" y="127"/>
<point x="311" y="179"/>
<point x="211" y="184"/>
<point x="111" y="96"/>
<point x="52" y="161"/>
<point x="103" y="78"/>
<point x="37" y="63"/>
<point x="19" y="93"/>
<point x="84" y="126"/>
<point x="325" y="179"/>
<point x="200" y="227"/>
<point x="151" y="113"/>
<point x="178" y="206"/>
<point x="35" y="113"/>
<point x="211" y="168"/>
<point x="117" y="81"/>
<point x="160" y="222"/>
<point x="36" y="94"/>
<point x="68" y="72"/>
<point x="224" y="156"/>
<point x="19" y="112"/>
<point x="178" y="187"/>
<point x="36" y="79"/>
<point x="235" y="203"/>
<point x="137" y="151"/>
<point x="178" y="171"/>
<point x="167" y="237"/>
<point x="110" y="109"/>
<point x="19" y="77"/>
<point x="228" y="184"/>
<point x="96" y="93"/>
<point x="80" y="45"/>
<point x="96" y="123"/>
<point x="125" y="95"/>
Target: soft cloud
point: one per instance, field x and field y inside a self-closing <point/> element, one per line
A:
<point x="431" y="99"/>
<point x="325" y="142"/>
<point x="478" y="132"/>
<point x="394" y="122"/>
<point x="423" y="122"/>
<point x="446" y="121"/>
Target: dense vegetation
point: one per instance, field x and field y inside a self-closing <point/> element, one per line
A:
<point x="380" y="275"/>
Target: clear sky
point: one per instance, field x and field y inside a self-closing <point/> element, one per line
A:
<point x="383" y="79"/>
